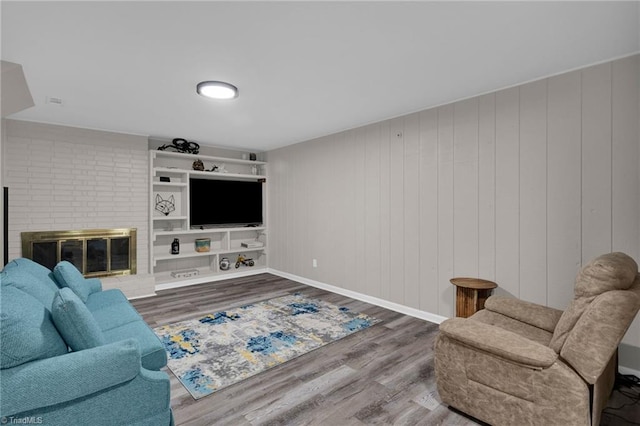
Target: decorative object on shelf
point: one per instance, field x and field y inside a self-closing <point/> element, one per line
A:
<point x="175" y="246"/>
<point x="218" y="169"/>
<point x="254" y="170"/>
<point x="165" y="179"/>
<point x="252" y="244"/>
<point x="181" y="145"/>
<point x="165" y="206"/>
<point x="185" y="273"/>
<point x="252" y="156"/>
<point x="203" y="245"/>
<point x="198" y="165"/>
<point x="225" y="264"/>
<point x="241" y="260"/>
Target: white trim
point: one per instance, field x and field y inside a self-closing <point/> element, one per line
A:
<point x="209" y="278"/>
<point x="427" y="316"/>
<point x="144" y="296"/>
<point x="625" y="370"/>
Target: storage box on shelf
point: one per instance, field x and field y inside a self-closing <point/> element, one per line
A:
<point x="170" y="174"/>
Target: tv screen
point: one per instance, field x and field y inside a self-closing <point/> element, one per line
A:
<point x="224" y="202"/>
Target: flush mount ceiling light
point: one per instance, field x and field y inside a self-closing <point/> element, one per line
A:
<point x="217" y="90"/>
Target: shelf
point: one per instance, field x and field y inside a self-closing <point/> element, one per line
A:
<point x="243" y="250"/>
<point x="164" y="280"/>
<point x="228" y="176"/>
<point x="190" y="254"/>
<point x="208" y="230"/>
<point x="169" y="170"/>
<point x="225" y="240"/>
<point x="161" y="218"/>
<point x="207" y="158"/>
<point x="204" y="174"/>
<point x="170" y="184"/>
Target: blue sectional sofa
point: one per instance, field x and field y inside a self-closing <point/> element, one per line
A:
<point x="71" y="353"/>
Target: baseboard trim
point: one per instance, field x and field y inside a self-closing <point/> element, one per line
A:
<point x="416" y="313"/>
<point x="625" y="370"/>
<point x="202" y="279"/>
<point x="144" y="296"/>
<point x="629" y="359"/>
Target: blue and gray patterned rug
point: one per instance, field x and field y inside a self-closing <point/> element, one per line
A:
<point x="223" y="348"/>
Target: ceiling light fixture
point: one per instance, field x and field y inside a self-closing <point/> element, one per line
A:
<point x="217" y="90"/>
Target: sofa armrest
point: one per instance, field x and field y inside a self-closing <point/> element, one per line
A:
<point x="497" y="341"/>
<point x="95" y="285"/>
<point x="67" y="377"/>
<point x="533" y="314"/>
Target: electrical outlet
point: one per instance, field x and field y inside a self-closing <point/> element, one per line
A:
<point x="315" y="263"/>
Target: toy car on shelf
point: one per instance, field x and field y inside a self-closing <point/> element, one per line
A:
<point x="241" y="260"/>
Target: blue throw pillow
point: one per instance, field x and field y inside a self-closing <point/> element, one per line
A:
<point x="43" y="290"/>
<point x="74" y="321"/>
<point x="68" y="275"/>
<point x="26" y="331"/>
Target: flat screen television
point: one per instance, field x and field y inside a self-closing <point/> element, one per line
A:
<point x="215" y="202"/>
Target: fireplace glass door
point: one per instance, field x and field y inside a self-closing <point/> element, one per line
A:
<point x="96" y="252"/>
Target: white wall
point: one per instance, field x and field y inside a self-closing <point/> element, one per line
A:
<point x="521" y="186"/>
<point x="64" y="178"/>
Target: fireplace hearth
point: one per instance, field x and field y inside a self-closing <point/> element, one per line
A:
<point x="95" y="252"/>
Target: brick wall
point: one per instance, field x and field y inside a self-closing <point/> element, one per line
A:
<point x="64" y="178"/>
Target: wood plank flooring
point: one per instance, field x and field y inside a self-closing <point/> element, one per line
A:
<point x="379" y="376"/>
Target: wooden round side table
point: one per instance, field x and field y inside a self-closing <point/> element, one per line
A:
<point x="471" y="293"/>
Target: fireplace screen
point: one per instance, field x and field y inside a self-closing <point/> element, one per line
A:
<point x="95" y="252"/>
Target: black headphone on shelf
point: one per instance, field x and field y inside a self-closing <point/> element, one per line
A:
<point x="181" y="145"/>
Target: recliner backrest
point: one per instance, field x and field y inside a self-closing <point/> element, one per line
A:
<point x="609" y="272"/>
<point x="595" y="337"/>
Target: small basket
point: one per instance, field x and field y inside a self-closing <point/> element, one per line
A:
<point x="203" y="245"/>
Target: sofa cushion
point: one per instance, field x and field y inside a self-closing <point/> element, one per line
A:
<point x="26" y="330"/>
<point x="74" y="321"/>
<point x="115" y="315"/>
<point x="68" y="275"/>
<point x="43" y="290"/>
<point x="154" y="356"/>
<point x="34" y="268"/>
<point x="105" y="298"/>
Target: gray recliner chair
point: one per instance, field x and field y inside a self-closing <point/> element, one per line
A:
<point x="517" y="362"/>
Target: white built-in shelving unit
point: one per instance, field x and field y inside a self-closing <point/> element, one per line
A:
<point x="225" y="241"/>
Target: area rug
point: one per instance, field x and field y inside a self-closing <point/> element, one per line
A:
<point x="217" y="350"/>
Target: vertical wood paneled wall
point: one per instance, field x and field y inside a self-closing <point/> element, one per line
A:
<point x="521" y="186"/>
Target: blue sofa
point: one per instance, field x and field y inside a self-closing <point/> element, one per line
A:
<point x="71" y="353"/>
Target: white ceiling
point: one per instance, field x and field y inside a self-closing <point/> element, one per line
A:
<point x="304" y="69"/>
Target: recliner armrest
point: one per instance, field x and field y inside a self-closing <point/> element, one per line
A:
<point x="533" y="314"/>
<point x="67" y="377"/>
<point x="497" y="341"/>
